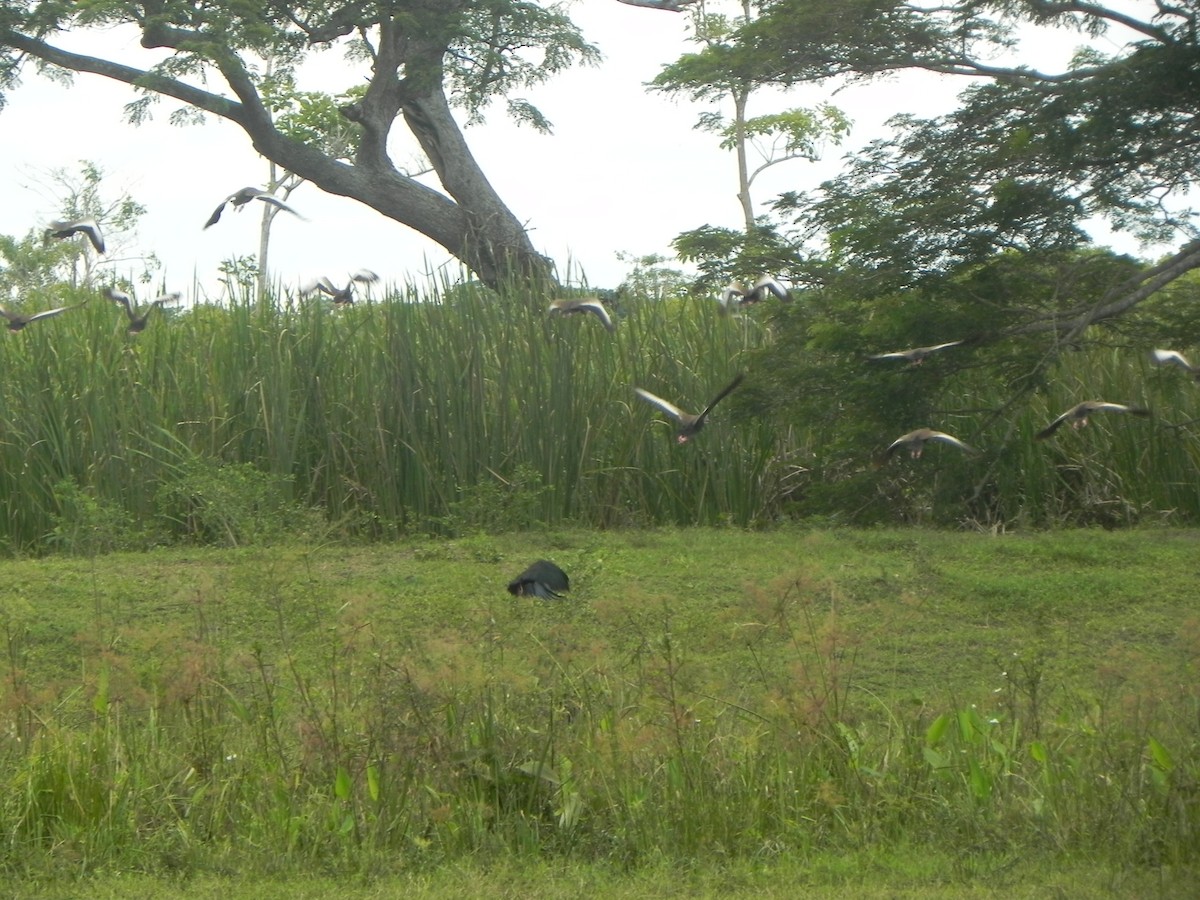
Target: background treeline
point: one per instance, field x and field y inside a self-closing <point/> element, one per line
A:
<point x="454" y="408"/>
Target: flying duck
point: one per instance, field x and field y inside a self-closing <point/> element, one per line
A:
<point x="916" y="355"/>
<point x="61" y="228"/>
<point x="589" y="305"/>
<point x="1174" y="358"/>
<point x="340" y="295"/>
<point x="668" y="5"/>
<point x="736" y="293"/>
<point x="915" y="442"/>
<point x="17" y="321"/>
<point x="244" y="196"/>
<point x="689" y="424"/>
<point x="137" y="324"/>
<point x="542" y="579"/>
<point x="1078" y="415"/>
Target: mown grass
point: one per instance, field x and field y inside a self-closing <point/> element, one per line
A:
<point x="712" y="712"/>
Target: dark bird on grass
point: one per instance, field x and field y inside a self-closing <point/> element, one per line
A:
<point x="737" y="294"/>
<point x="689" y="424"/>
<point x="915" y="442"/>
<point x="61" y="229"/>
<point x="1078" y="415"/>
<point x="543" y="579"/>
<point x="244" y="196"/>
<point x="588" y="305"/>
<point x="340" y="295"/>
<point x="137" y="323"/>
<point x="17" y="321"/>
<point x="1174" y="358"/>
<point x="916" y="355"/>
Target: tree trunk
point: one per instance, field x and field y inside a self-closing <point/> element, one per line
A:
<point x="741" y="95"/>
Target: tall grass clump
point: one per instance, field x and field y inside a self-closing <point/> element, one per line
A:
<point x="1119" y="470"/>
<point x="456" y="408"/>
<point x="445" y="410"/>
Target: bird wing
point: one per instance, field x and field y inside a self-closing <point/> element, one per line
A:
<point x="937" y="347"/>
<point x="721" y="396"/>
<point x="767" y="284"/>
<point x="47" y="313"/>
<point x="172" y="297"/>
<point x="364" y="276"/>
<point x="1055" y="425"/>
<point x="732" y="293"/>
<point x="216" y="216"/>
<point x="275" y="201"/>
<point x="92" y="230"/>
<point x="1172" y="357"/>
<point x="597" y="309"/>
<point x="547" y="573"/>
<point x="895" y="354"/>
<point x="952" y="441"/>
<point x="891" y="448"/>
<point x="87" y="227"/>
<point x="543" y="579"/>
<point x="322" y="284"/>
<point x="669" y="408"/>
<point x="121" y="298"/>
<point x="668" y="5"/>
<point x="1105" y="406"/>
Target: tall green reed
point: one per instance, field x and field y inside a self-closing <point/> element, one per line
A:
<point x="444" y="408"/>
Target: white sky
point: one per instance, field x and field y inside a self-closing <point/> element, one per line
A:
<point x="624" y="169"/>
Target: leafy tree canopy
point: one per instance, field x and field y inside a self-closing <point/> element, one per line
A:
<point x="1029" y="155"/>
<point x="238" y="59"/>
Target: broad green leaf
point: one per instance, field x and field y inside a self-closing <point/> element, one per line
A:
<point x="373" y="782"/>
<point x="937" y="730"/>
<point x="1161" y="757"/>
<point x="341" y="784"/>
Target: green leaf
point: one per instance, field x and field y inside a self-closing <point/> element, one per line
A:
<point x="341" y="784"/>
<point x="373" y="782"/>
<point x="937" y="730"/>
<point x="936" y="760"/>
<point x="1162" y="759"/>
<point x="980" y="780"/>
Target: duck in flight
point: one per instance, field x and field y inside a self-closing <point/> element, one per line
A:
<point x="916" y="355"/>
<point x="17" y="321"/>
<point x="1174" y="358"/>
<point x="244" y="196"/>
<point x="915" y="442"/>
<point x="737" y="294"/>
<point x="588" y="305"/>
<point x="1078" y="415"/>
<point x="137" y="323"/>
<point x="64" y="228"/>
<point x="340" y="295"/>
<point x="689" y="424"/>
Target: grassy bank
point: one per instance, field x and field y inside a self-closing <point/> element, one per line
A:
<point x="949" y="712"/>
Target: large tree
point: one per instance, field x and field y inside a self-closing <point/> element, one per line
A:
<point x="423" y="57"/>
<point x="1030" y="158"/>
